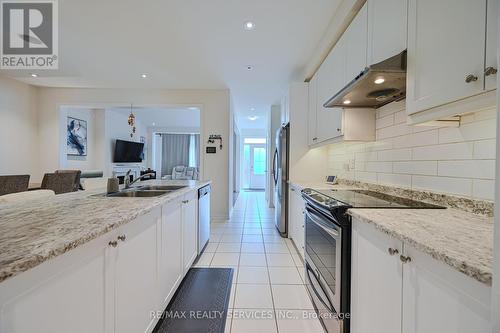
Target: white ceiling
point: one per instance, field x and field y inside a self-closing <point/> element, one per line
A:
<point x="166" y="117"/>
<point x="189" y="44"/>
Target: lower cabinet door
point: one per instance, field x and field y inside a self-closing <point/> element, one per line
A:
<point x="438" y="299"/>
<point x="171" y="244"/>
<point x="72" y="299"/>
<point x="189" y="229"/>
<point x="136" y="275"/>
<point x="376" y="281"/>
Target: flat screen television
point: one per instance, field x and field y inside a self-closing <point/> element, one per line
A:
<point x="128" y="152"/>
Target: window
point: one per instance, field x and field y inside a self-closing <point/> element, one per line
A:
<point x="254" y="140"/>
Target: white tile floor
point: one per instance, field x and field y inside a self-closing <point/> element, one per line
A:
<point x="268" y="293"/>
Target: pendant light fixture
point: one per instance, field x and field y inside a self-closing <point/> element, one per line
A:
<point x="131" y="121"/>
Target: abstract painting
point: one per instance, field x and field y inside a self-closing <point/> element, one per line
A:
<point x="76" y="137"/>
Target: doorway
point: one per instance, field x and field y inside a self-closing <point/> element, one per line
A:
<point x="254" y="163"/>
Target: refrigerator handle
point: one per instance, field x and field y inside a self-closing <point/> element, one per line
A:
<point x="275" y="176"/>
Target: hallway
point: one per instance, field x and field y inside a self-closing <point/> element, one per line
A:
<point x="268" y="293"/>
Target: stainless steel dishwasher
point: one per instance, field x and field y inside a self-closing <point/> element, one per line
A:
<point x="203" y="217"/>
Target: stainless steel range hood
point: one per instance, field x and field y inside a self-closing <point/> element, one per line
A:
<point x="377" y="85"/>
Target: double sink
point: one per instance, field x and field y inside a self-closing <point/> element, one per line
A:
<point x="146" y="191"/>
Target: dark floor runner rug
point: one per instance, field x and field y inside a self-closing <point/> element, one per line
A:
<point x="200" y="304"/>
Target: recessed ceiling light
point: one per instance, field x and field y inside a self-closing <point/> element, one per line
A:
<point x="154" y="124"/>
<point x="34" y="75"/>
<point x="379" y="80"/>
<point x="249" y="25"/>
<point x="347" y="102"/>
<point x="144" y="76"/>
<point x="252" y="118"/>
<point x="252" y="109"/>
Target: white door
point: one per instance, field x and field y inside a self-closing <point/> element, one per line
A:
<point x="439" y="299"/>
<point x="296" y="209"/>
<point x="387" y="22"/>
<point x="312" y="137"/>
<point x="171" y="250"/>
<point x="491" y="47"/>
<point x="71" y="301"/>
<point x="356" y="39"/>
<point x="376" y="281"/>
<point x="446" y="51"/>
<point x="255" y="161"/>
<point x="189" y="230"/>
<point x="330" y="80"/>
<point x="136" y="275"/>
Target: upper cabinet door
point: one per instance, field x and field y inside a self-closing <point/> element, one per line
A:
<point x="331" y="76"/>
<point x="491" y="46"/>
<point x="387" y="27"/>
<point x="311" y="115"/>
<point x="355" y="45"/>
<point x="446" y="51"/>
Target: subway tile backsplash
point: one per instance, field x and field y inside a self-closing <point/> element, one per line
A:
<point x="459" y="161"/>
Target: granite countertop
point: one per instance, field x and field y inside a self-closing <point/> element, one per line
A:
<point x="460" y="239"/>
<point x="35" y="231"/>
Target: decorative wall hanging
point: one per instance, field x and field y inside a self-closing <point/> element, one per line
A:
<point x="213" y="137"/>
<point x="76" y="137"/>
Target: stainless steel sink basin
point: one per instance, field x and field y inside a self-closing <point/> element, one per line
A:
<point x="160" y="187"/>
<point x="137" y="194"/>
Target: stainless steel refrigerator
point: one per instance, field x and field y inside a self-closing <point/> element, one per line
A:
<point x="280" y="175"/>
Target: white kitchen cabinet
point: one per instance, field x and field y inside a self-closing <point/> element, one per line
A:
<point x="71" y="299"/>
<point x="409" y="291"/>
<point x="438" y="299"/>
<point x="189" y="229"/>
<point x="376" y="281"/>
<point x="312" y="136"/>
<point x="330" y="80"/>
<point x="285" y="109"/>
<point x="171" y="265"/>
<point x="355" y="45"/>
<point x="296" y="218"/>
<point x="446" y="52"/>
<point x="136" y="274"/>
<point x="387" y="29"/>
<point x="491" y="46"/>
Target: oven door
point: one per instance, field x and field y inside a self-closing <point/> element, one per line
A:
<point x="323" y="244"/>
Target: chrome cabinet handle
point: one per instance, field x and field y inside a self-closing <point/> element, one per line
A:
<point x="185" y="201"/>
<point x="393" y="251"/>
<point x="122" y="238"/>
<point x="404" y="259"/>
<point x="113" y="243"/>
<point x="470" y="78"/>
<point x="490" y="71"/>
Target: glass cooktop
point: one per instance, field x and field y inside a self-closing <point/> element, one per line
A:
<point x="365" y="199"/>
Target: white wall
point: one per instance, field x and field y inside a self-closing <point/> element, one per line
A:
<point x="215" y="119"/>
<point x="19" y="150"/>
<point x="459" y="161"/>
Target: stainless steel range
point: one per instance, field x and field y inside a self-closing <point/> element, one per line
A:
<point x="328" y="248"/>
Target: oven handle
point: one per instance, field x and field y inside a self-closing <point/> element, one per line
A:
<point x="317" y="221"/>
<point x="329" y="307"/>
